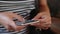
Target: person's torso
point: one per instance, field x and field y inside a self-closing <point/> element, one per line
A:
<point x="21" y="7"/>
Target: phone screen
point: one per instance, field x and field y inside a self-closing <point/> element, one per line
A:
<point x="26" y="22"/>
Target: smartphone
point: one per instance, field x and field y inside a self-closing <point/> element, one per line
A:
<point x="4" y="30"/>
<point x="27" y="22"/>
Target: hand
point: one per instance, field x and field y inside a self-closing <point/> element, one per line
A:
<point x="6" y="19"/>
<point x="45" y="20"/>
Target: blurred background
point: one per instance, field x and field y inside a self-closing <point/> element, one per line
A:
<point x="54" y="6"/>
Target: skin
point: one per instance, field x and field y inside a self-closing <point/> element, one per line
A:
<point x="6" y="19"/>
<point x="43" y="16"/>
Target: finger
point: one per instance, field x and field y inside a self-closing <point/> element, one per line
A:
<point x="10" y="25"/>
<point x="45" y="26"/>
<point x="6" y="26"/>
<point x="40" y="15"/>
<point x="11" y="29"/>
<point x="19" y="17"/>
<point x="35" y="24"/>
<point x="13" y="25"/>
<point x="4" y="22"/>
<point x="20" y="27"/>
<point x="46" y="23"/>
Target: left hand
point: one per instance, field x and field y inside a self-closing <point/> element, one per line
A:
<point x="6" y="19"/>
<point x="45" y="20"/>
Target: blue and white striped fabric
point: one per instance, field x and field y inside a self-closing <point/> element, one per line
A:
<point x="20" y="7"/>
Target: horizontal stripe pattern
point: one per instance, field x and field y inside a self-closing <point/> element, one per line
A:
<point x="20" y="7"/>
<point x="23" y="7"/>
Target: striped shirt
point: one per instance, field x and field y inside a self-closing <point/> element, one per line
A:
<point x="20" y="7"/>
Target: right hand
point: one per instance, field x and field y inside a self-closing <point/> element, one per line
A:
<point x="6" y="19"/>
